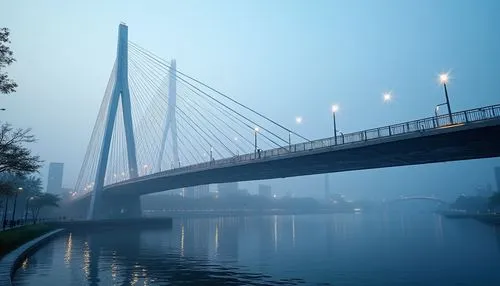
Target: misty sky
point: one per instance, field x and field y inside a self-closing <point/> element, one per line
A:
<point x="284" y="58"/>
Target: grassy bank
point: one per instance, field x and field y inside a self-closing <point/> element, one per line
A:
<point x="13" y="238"/>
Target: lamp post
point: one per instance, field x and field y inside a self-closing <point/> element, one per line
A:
<point x="436" y="113"/>
<point x="20" y="189"/>
<point x="335" y="108"/>
<point x="298" y="121"/>
<point x="26" y="209"/>
<point x="444" y="78"/>
<point x="289" y="140"/>
<point x="256" y="130"/>
<point x="236" y="143"/>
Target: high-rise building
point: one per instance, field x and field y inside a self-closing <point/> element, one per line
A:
<point x="228" y="189"/>
<point x="265" y="191"/>
<point x="497" y="177"/>
<point x="54" y="182"/>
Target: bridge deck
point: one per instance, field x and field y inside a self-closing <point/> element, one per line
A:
<point x="448" y="143"/>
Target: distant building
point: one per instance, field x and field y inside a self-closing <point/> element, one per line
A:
<point x="196" y="192"/>
<point x="497" y="177"/>
<point x="188" y="192"/>
<point x="202" y="191"/>
<point x="265" y="191"/>
<point x="484" y="191"/>
<point x="243" y="192"/>
<point x="327" y="187"/>
<point x="228" y="189"/>
<point x="54" y="182"/>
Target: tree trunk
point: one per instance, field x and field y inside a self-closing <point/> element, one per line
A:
<point x="37" y="213"/>
<point x="4" y="221"/>
<point x="33" y="215"/>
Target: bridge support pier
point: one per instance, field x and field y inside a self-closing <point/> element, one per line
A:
<point x="118" y="207"/>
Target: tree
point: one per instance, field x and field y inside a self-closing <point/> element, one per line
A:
<point x="6" y="58"/>
<point x="41" y="201"/>
<point x="14" y="156"/>
<point x="12" y="185"/>
<point x="6" y="190"/>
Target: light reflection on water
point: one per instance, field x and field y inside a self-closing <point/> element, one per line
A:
<point x="340" y="249"/>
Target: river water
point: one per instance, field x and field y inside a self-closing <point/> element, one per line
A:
<point x="338" y="249"/>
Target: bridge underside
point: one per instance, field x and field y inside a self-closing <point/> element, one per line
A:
<point x="113" y="206"/>
<point x="447" y="144"/>
<point x="109" y="206"/>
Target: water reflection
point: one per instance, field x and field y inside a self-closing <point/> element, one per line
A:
<point x="382" y="249"/>
<point x="69" y="247"/>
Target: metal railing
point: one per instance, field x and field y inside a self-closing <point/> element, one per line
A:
<point x="420" y="125"/>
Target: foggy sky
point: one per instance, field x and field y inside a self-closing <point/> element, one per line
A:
<point x="283" y="58"/>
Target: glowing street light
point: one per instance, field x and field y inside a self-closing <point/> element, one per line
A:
<point x="335" y="108"/>
<point x="298" y="119"/>
<point x="444" y="78"/>
<point x="387" y="96"/>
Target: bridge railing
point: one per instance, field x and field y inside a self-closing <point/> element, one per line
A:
<point x="430" y="123"/>
<point x="420" y="125"/>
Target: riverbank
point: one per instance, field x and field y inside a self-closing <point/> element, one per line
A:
<point x="238" y="212"/>
<point x="489" y="218"/>
<point x="145" y="222"/>
<point x="11" y="261"/>
<point x="13" y="238"/>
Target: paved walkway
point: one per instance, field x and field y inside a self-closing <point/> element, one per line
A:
<point x="8" y="264"/>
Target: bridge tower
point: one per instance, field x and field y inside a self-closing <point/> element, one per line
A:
<point x="120" y="91"/>
<point x="170" y="123"/>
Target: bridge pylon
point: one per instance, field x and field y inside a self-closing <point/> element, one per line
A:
<point x="120" y="91"/>
<point x="171" y="122"/>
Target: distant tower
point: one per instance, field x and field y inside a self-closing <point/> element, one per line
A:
<point x="54" y="181"/>
<point x="171" y="122"/>
<point x="327" y="187"/>
<point x="120" y="90"/>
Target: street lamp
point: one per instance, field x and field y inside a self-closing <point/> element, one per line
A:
<point x="387" y="96"/>
<point x="256" y="129"/>
<point x="335" y="108"/>
<point x="20" y="189"/>
<point x="443" y="79"/>
<point x="436" y="112"/>
<point x="26" y="208"/>
<point x="298" y="120"/>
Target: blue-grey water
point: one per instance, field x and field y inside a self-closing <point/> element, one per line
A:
<point x="338" y="249"/>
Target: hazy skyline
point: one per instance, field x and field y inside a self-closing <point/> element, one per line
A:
<point x="295" y="54"/>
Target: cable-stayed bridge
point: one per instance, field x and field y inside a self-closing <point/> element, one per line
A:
<point x="160" y="129"/>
